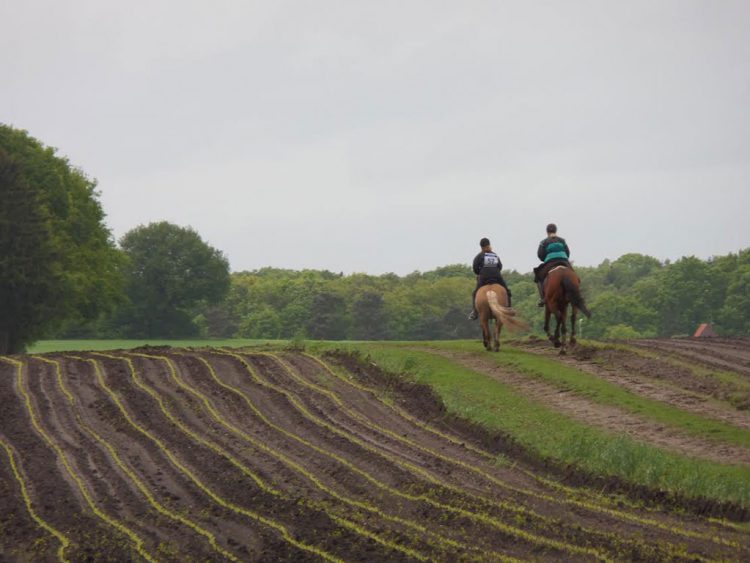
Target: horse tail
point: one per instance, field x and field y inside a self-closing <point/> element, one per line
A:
<point x="505" y="315"/>
<point x="574" y="295"/>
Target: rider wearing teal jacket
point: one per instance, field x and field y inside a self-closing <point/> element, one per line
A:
<point x="553" y="251"/>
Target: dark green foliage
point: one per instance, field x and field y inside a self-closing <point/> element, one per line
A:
<point x="633" y="296"/>
<point x="368" y="315"/>
<point x="58" y="264"/>
<point x="735" y="313"/>
<point x="615" y="308"/>
<point x="328" y="319"/>
<point x="629" y="268"/>
<point x="687" y="296"/>
<point x="170" y="271"/>
<point x="25" y="255"/>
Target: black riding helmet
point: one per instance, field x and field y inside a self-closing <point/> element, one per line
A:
<point x="484" y="242"/>
<point x="552" y="228"/>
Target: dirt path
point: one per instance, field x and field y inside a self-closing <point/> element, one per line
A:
<point x="652" y="379"/>
<point x="609" y="418"/>
<point x="727" y="354"/>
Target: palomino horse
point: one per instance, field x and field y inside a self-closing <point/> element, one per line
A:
<point x="491" y="302"/>
<point x="562" y="288"/>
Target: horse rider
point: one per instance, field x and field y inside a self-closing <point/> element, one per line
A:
<point x="487" y="266"/>
<point x="553" y="251"/>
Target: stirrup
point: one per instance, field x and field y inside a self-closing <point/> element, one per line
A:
<point x="473" y="316"/>
<point x="540" y="304"/>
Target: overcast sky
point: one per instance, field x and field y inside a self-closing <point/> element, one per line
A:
<point x="391" y="136"/>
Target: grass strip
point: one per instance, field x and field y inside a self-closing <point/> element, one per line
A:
<point x="499" y="407"/>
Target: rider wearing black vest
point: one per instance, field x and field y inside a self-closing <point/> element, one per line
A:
<point x="487" y="266"/>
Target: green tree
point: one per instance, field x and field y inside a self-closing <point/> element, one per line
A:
<point x="734" y="317"/>
<point x="263" y="323"/>
<point x="612" y="308"/>
<point x="58" y="262"/>
<point x="368" y="316"/>
<point x="629" y="268"/>
<point x="621" y="332"/>
<point x="688" y="295"/>
<point x="170" y="271"/>
<point x="328" y="319"/>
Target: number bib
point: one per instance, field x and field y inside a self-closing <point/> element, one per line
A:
<point x="491" y="260"/>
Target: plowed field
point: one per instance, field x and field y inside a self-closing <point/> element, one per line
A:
<point x="165" y="454"/>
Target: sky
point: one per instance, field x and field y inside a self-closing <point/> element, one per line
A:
<point x="391" y="136"/>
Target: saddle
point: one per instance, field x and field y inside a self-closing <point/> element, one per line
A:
<point x="541" y="272"/>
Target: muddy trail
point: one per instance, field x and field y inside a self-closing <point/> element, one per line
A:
<point x="177" y="455"/>
<point x="731" y="354"/>
<point x="651" y="374"/>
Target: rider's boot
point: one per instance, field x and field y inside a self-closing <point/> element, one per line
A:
<point x="473" y="315"/>
<point x="540" y="286"/>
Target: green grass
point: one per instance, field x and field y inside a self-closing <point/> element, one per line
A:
<point x="553" y="435"/>
<point x="45" y="346"/>
<point x="605" y="393"/>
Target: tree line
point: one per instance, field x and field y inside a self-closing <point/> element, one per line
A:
<point x="63" y="276"/>
<point x="633" y="296"/>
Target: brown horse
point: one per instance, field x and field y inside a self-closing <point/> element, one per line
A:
<point x="562" y="288"/>
<point x="491" y="303"/>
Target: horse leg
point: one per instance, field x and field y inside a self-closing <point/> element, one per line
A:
<point x="573" y="318"/>
<point x="547" y="315"/>
<point x="556" y="339"/>
<point x="564" y="330"/>
<point x="485" y="332"/>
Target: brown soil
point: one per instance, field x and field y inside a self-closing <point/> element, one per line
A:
<point x="286" y="461"/>
<point x="656" y="379"/>
<point x="731" y="354"/>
